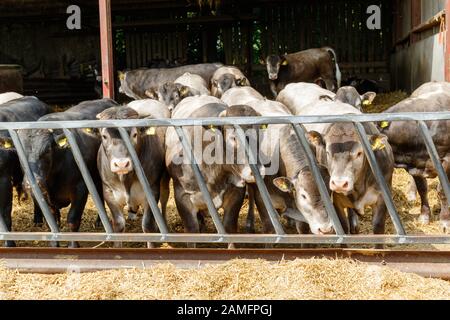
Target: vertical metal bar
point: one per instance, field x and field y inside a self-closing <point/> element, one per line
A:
<point x="200" y="180"/>
<point x="34" y="187"/>
<point x="273" y="215"/>
<point x="106" y="44"/>
<point x="447" y="41"/>
<point x="432" y="151"/>
<point x="385" y="191"/>
<point x="312" y="162"/>
<point x="88" y="180"/>
<point x="144" y="183"/>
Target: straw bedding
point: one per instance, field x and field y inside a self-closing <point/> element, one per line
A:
<point x="238" y="279"/>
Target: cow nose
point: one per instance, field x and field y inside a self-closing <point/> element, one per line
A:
<point x="340" y="185"/>
<point x="326" y="230"/>
<point x="121" y="166"/>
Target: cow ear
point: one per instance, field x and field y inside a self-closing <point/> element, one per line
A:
<point x="378" y="141"/>
<point x="367" y="98"/>
<point x="223" y="114"/>
<point x="284" y="62"/>
<point x="262" y="61"/>
<point x="284" y="184"/>
<point x="243" y="82"/>
<point x="6" y="143"/>
<point x="383" y="124"/>
<point x="91" y="132"/>
<point x="185" y="92"/>
<point x="151" y="94"/>
<point x="315" y="139"/>
<point x="61" y="141"/>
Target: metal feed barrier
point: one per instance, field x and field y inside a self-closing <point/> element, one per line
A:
<point x="280" y="237"/>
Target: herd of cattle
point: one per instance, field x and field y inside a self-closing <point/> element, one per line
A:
<point x="214" y="90"/>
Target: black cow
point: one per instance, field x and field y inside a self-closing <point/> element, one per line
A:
<point x="54" y="166"/>
<point x="19" y="110"/>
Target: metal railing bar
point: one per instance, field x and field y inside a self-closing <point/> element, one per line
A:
<point x="144" y="183"/>
<point x="200" y="180"/>
<point x="227" y="238"/>
<point x="312" y="161"/>
<point x="88" y="180"/>
<point x="39" y="197"/>
<point x="273" y="214"/>
<point x="348" y="118"/>
<point x="385" y="191"/>
<point x="434" y="155"/>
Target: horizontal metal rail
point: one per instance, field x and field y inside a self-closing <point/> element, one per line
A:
<point x="349" y="118"/>
<point x="221" y="236"/>
<point x="227" y="238"/>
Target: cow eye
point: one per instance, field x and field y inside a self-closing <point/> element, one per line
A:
<point x="359" y="154"/>
<point x="303" y="196"/>
<point x="135" y="135"/>
<point x="104" y="137"/>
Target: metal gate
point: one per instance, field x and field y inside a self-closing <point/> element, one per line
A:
<point x="280" y="236"/>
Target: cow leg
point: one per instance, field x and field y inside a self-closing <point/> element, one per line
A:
<point x="148" y="220"/>
<point x="118" y="221"/>
<point x="5" y="210"/>
<point x="250" y="221"/>
<point x="353" y="221"/>
<point x="232" y="204"/>
<point x="411" y="194"/>
<point x="77" y="206"/>
<point x="379" y="219"/>
<point x="263" y="214"/>
<point x="186" y="211"/>
<point x="164" y="193"/>
<point x="444" y="215"/>
<point x="422" y="188"/>
<point x="38" y="216"/>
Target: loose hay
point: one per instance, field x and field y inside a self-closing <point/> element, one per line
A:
<point x="384" y="101"/>
<point x="238" y="279"/>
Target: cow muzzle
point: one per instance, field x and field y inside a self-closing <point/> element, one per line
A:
<point x="341" y="185"/>
<point x="121" y="165"/>
<point x="273" y="76"/>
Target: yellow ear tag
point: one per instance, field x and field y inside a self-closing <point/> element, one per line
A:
<point x="121" y="76"/>
<point x="263" y="126"/>
<point x="7" y="145"/>
<point x="378" y="145"/>
<point x="367" y="103"/>
<point x="212" y="128"/>
<point x="87" y="130"/>
<point x="285" y="63"/>
<point x="384" y="124"/>
<point x="62" y="142"/>
<point x="151" y="131"/>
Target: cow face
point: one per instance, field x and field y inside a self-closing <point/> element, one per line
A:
<point x="172" y="93"/>
<point x="351" y="96"/>
<point x="307" y="198"/>
<point x="343" y="154"/>
<point x="43" y="148"/>
<point x="226" y="82"/>
<point x="112" y="143"/>
<point x="274" y="64"/>
<point x="240" y="167"/>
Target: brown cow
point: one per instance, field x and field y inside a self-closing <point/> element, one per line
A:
<point x="304" y="66"/>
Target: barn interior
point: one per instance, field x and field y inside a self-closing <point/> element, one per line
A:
<point x="59" y="65"/>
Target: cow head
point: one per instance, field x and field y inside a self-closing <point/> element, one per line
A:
<point x="240" y="167"/>
<point x="340" y="149"/>
<point x="274" y="63"/>
<point x="307" y="198"/>
<point x="226" y="82"/>
<point x="44" y="149"/>
<point x="351" y="96"/>
<point x="171" y="94"/>
<point x="112" y="143"/>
